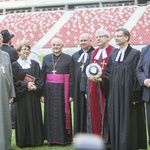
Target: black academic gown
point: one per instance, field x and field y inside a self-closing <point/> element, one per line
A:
<point x="127" y="121"/>
<point x="80" y="111"/>
<point x="29" y="126"/>
<point x="55" y="131"/>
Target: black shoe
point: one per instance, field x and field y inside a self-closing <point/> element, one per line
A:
<point x="12" y="149"/>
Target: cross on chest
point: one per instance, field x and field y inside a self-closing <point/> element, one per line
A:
<point x="2" y="68"/>
<point x="103" y="64"/>
<point x="54" y="71"/>
<point x="82" y="67"/>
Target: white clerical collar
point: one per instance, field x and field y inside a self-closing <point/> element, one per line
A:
<point x="25" y="64"/>
<point x="101" y="51"/>
<point x="121" y="52"/>
<point x="83" y="56"/>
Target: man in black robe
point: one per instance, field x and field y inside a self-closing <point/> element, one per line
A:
<point x="125" y="107"/>
<point x="79" y="59"/>
<point x="57" y="72"/>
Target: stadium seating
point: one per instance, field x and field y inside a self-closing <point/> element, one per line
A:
<point x="31" y="26"/>
<point x="141" y="31"/>
<point x="89" y="20"/>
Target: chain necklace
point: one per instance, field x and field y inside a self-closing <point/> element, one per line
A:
<point x="55" y="61"/>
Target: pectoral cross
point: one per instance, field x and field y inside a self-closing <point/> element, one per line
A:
<point x="2" y="68"/>
<point x="54" y="71"/>
<point x="82" y="66"/>
<point x="103" y="64"/>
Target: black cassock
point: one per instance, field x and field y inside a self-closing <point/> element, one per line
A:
<point x="127" y="121"/>
<point x="29" y="126"/>
<point x="80" y="111"/>
<point x="55" y="131"/>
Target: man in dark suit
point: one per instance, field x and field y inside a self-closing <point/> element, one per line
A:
<point x="143" y="75"/>
<point x="6" y="47"/>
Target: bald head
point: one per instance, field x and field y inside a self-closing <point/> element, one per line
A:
<point x="85" y="41"/>
<point x="57" y="40"/>
<point x="57" y="45"/>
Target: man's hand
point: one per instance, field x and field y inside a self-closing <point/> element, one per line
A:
<point x="42" y="99"/>
<point x="147" y="82"/>
<point x="96" y="79"/>
<point x="70" y="99"/>
<point x="134" y="103"/>
<point x="11" y="100"/>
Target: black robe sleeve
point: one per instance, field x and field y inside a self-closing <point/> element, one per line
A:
<point x="137" y="89"/>
<point x="105" y="80"/>
<point x="83" y="83"/>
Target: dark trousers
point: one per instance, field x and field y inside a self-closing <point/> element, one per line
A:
<point x="12" y="110"/>
<point x="148" y="118"/>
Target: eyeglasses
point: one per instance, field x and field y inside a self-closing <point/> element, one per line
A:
<point x="25" y="49"/>
<point x="56" y="44"/>
<point x="118" y="36"/>
<point x="101" y="36"/>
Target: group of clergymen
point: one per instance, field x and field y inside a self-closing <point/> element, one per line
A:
<point x="111" y="106"/>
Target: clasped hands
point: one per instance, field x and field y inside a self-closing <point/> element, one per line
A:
<point x="31" y="86"/>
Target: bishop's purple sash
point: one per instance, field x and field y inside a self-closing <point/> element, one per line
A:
<point x="62" y="78"/>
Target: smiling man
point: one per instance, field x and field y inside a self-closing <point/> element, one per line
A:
<point x="57" y="72"/>
<point x="97" y="121"/>
<point x="79" y="59"/>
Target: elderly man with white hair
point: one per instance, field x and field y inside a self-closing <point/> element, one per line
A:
<point x="97" y="122"/>
<point x="57" y="72"/>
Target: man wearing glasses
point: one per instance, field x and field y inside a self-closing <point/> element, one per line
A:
<point x="125" y="106"/>
<point x="97" y="122"/>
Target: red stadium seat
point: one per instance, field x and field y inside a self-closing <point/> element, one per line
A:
<point x="31" y="26"/>
<point x="89" y="20"/>
<point x="141" y="31"/>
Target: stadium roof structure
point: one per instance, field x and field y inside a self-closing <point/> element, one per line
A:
<point x="29" y="3"/>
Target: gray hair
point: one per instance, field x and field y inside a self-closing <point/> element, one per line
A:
<point x="103" y="31"/>
<point x="57" y="39"/>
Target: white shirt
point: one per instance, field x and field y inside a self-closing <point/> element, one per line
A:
<point x="25" y="64"/>
<point x="85" y="55"/>
<point x="101" y="51"/>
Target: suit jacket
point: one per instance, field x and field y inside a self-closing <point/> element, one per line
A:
<point x="11" y="51"/>
<point x="142" y="71"/>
